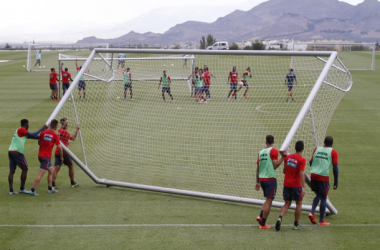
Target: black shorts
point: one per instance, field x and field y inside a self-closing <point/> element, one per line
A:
<point x="269" y="188"/>
<point x="321" y="188"/>
<point x="292" y="194"/>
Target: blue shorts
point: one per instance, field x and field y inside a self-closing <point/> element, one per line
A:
<point x="233" y="85"/>
<point x="199" y="90"/>
<point x="290" y="87"/>
<point x="65" y="85"/>
<point x="321" y="188"/>
<point x="45" y="163"/>
<point x="81" y="85"/>
<point x="166" y="89"/>
<point x="128" y="86"/>
<point x="205" y="88"/>
<point x="269" y="188"/>
<point x="292" y="194"/>
<point x="245" y="83"/>
<point x="17" y="159"/>
<point x="66" y="160"/>
<point x="53" y="86"/>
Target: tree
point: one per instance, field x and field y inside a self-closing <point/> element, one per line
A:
<point x="377" y="45"/>
<point x="234" y="46"/>
<point x="210" y="40"/>
<point x="7" y="46"/>
<point x="258" y="45"/>
<point x="176" y="46"/>
<point x="203" y="43"/>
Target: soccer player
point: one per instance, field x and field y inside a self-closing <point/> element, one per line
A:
<point x="46" y="141"/>
<point x="53" y="78"/>
<point x="127" y="83"/>
<point x="232" y="80"/>
<point x="294" y="184"/>
<point x="38" y="59"/>
<point x="64" y="137"/>
<point x="16" y="155"/>
<point x="66" y="78"/>
<point x="290" y="79"/>
<point x="322" y="159"/>
<point x="82" y="82"/>
<point x="207" y="80"/>
<point x="121" y="61"/>
<point x="267" y="163"/>
<point x="246" y="75"/>
<point x="184" y="60"/>
<point x="191" y="83"/>
<point x="198" y="83"/>
<point x="166" y="81"/>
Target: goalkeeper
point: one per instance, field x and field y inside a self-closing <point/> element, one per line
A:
<point x="290" y="79"/>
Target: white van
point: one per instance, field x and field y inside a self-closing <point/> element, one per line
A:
<point x="219" y="46"/>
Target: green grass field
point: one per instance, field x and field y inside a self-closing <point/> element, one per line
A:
<point x="96" y="217"/>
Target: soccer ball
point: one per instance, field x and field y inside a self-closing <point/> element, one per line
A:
<point x="172" y="64"/>
<point x="241" y="83"/>
<point x="23" y="66"/>
<point x="43" y="66"/>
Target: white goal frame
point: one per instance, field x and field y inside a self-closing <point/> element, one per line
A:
<point x="332" y="56"/>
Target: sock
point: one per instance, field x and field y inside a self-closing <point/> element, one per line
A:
<point x="315" y="204"/>
<point x="49" y="188"/>
<point x="322" y="209"/>
<point x="263" y="221"/>
<point x="22" y="187"/>
<point x="32" y="190"/>
<point x="261" y="213"/>
<point x="296" y="223"/>
<point x="280" y="217"/>
<point x="11" y="189"/>
<point x="72" y="182"/>
<point x="53" y="183"/>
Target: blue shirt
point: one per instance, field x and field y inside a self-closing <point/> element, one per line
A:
<point x="291" y="77"/>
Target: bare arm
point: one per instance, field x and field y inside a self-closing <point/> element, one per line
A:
<point x="60" y="151"/>
<point x="302" y="176"/>
<point x="75" y="134"/>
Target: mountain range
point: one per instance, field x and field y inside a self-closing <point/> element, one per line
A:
<point x="275" y="19"/>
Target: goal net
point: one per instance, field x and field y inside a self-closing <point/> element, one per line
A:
<point x="355" y="56"/>
<point x="48" y="54"/>
<point x="193" y="148"/>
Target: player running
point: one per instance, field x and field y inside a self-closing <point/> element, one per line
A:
<point x="322" y="159"/>
<point x="82" y="82"/>
<point x="121" y="61"/>
<point x="46" y="141"/>
<point x="267" y="163"/>
<point x="53" y="78"/>
<point x="16" y="155"/>
<point x="207" y="80"/>
<point x="246" y="76"/>
<point x="127" y="83"/>
<point x="294" y="184"/>
<point x="290" y="79"/>
<point x="66" y="78"/>
<point x="232" y="80"/>
<point x="166" y="81"/>
<point x="64" y="137"/>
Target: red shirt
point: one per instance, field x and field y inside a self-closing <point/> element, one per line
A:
<point x="294" y="163"/>
<point x="234" y="76"/>
<point x="334" y="159"/>
<point x="53" y="77"/>
<point x="64" y="137"/>
<point x="21" y="132"/>
<point x="65" y="76"/>
<point x="47" y="140"/>
<point x="207" y="78"/>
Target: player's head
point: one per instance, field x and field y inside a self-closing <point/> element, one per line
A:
<point x="164" y="72"/>
<point x="64" y="122"/>
<point x="291" y="70"/>
<point x="249" y="69"/>
<point x="299" y="146"/>
<point x="200" y="71"/>
<point x="206" y="68"/>
<point x="66" y="69"/>
<point x="234" y="68"/>
<point x="196" y="68"/>
<point x="53" y="124"/>
<point x="25" y="123"/>
<point x="329" y="141"/>
<point x="128" y="69"/>
<point x="269" y="139"/>
<point x="52" y="69"/>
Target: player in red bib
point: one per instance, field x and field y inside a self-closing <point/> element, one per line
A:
<point x="48" y="138"/>
<point x="53" y="78"/>
<point x="64" y="137"/>
<point x="232" y="80"/>
<point x="294" y="184"/>
<point x="207" y="80"/>
<point x="66" y="78"/>
<point x="244" y="81"/>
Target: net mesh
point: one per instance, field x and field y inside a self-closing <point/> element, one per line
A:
<point x="183" y="144"/>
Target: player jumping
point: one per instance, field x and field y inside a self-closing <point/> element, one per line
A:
<point x="246" y="75"/>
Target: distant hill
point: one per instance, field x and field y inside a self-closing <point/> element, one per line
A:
<point x="274" y="19"/>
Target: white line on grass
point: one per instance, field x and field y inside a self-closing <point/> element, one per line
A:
<point x="180" y="225"/>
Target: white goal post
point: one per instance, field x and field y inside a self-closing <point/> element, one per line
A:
<point x="49" y="54"/>
<point x="199" y="149"/>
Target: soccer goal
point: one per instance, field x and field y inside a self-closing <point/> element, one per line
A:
<point x="191" y="148"/>
<point x="48" y="54"/>
<point x="355" y="56"/>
